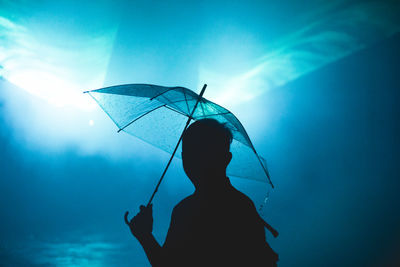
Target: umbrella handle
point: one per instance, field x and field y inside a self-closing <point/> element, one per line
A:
<point x="177" y="145"/>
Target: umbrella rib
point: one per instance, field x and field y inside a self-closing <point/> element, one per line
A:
<point x="216" y="114"/>
<point x="202" y="109"/>
<point x="184" y="94"/>
<point x="162" y="93"/>
<point x="173" y="102"/>
<point x="176" y="111"/>
<point x="199" y="117"/>
<point x="144" y="114"/>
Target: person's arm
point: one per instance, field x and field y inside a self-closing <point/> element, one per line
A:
<point x="141" y="227"/>
<point x="152" y="250"/>
<point x="173" y="234"/>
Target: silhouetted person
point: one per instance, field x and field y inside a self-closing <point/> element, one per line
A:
<point x="215" y="226"/>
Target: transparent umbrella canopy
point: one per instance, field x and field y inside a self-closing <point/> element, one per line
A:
<point x="158" y="115"/>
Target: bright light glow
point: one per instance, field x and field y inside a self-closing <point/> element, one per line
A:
<point x="335" y="34"/>
<point x="234" y="90"/>
<point x="54" y="73"/>
<point x="54" y="64"/>
<point x="52" y="88"/>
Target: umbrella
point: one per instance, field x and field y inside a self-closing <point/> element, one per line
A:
<point x="158" y="115"/>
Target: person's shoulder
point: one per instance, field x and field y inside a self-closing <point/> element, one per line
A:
<point x="242" y="198"/>
<point x="184" y="204"/>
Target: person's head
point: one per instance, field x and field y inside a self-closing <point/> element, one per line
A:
<point x="205" y="150"/>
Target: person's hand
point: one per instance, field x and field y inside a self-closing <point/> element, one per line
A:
<point x="142" y="224"/>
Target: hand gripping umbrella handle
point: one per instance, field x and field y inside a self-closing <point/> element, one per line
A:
<point x="177" y="145"/>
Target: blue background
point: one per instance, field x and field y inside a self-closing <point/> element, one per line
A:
<point x="315" y="84"/>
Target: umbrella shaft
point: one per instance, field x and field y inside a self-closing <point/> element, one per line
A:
<point x="177" y="145"/>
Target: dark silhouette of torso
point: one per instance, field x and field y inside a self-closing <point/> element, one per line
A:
<point x="217" y="228"/>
